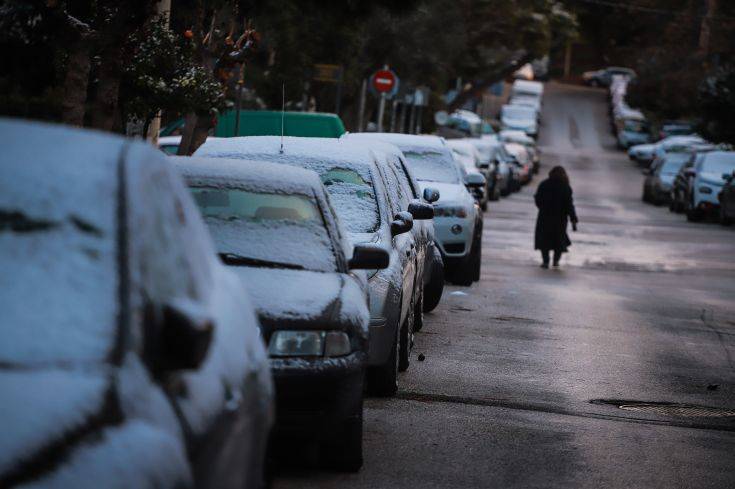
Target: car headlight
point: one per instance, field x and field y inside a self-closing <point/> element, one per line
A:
<point x="309" y="344"/>
<point x="705" y="190"/>
<point x="450" y="211"/>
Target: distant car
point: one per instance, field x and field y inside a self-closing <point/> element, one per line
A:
<point x="522" y="138"/>
<point x="522" y="159"/>
<point x="727" y="200"/>
<point x="503" y="163"/>
<point x="660" y="177"/>
<point x="358" y="189"/>
<point x="131" y="357"/>
<point x="486" y="149"/>
<point x="645" y="153"/>
<point x="527" y="88"/>
<point x="603" y="77"/>
<point x="676" y="128"/>
<point x="275" y="227"/>
<point x="519" y="117"/>
<point x="707" y="182"/>
<point x="468" y="156"/>
<point x="169" y="144"/>
<point x="633" y="130"/>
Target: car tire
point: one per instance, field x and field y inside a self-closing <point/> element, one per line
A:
<point x="382" y="380"/>
<point x="483" y="206"/>
<point x="343" y="452"/>
<point x="468" y="270"/>
<point x="645" y="197"/>
<point x="434" y="289"/>
<point x="724" y="220"/>
<point x="693" y="214"/>
<point x="406" y="341"/>
<point x="476" y="260"/>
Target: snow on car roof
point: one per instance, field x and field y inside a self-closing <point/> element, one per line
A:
<point x="406" y="142"/>
<point x="58" y="243"/>
<point x="254" y="175"/>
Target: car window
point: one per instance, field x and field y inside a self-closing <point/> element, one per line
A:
<point x="432" y="166"/>
<point x="396" y="187"/>
<point x="266" y="228"/>
<point x="718" y="163"/>
<point x="353" y="198"/>
<point x="403" y="175"/>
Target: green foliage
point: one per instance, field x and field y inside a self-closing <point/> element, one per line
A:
<point x="163" y="75"/>
<point x="717" y="98"/>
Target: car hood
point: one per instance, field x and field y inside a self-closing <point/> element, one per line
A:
<point x="667" y="178"/>
<point x="710" y="179"/>
<point x="43" y="407"/>
<point x="448" y="192"/>
<point x="303" y="299"/>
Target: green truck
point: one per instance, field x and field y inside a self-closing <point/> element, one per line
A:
<point x="268" y="123"/>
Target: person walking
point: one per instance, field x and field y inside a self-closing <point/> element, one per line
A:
<point x="555" y="208"/>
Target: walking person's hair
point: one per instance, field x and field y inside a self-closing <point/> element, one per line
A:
<point x="559" y="173"/>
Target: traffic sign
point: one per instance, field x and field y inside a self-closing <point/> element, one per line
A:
<point x="384" y="81"/>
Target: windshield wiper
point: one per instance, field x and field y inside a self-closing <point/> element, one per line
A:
<point x="239" y="260"/>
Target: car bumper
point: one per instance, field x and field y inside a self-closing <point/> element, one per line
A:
<point x="453" y="242"/>
<point x="309" y="393"/>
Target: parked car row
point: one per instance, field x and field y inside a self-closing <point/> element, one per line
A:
<point x="193" y="310"/>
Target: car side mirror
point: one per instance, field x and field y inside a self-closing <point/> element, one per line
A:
<point x="420" y="210"/>
<point x="483" y="166"/>
<point x="431" y="195"/>
<point x="369" y="257"/>
<point x="402" y="223"/>
<point x="475" y="180"/>
<point x="727" y="176"/>
<point x="177" y="336"/>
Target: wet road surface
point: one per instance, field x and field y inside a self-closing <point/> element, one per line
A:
<point x="642" y="309"/>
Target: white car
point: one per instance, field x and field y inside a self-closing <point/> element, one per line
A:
<point x="645" y="153"/>
<point x="519" y="117"/>
<point x="709" y="177"/>
<point x="467" y="155"/>
<point x="527" y="88"/>
<point x="457" y="218"/>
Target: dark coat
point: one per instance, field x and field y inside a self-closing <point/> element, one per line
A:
<point x="555" y="207"/>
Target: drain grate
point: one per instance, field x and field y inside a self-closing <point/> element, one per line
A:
<point x="669" y="409"/>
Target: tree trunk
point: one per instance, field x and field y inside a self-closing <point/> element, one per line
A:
<point x="103" y="110"/>
<point x="75" y="84"/>
<point x="187" y="135"/>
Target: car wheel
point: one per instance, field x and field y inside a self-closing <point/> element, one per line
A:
<point x="343" y="452"/>
<point x="724" y="219"/>
<point x="693" y="214"/>
<point x="418" y="312"/>
<point x="382" y="380"/>
<point x="468" y="270"/>
<point x="406" y="343"/>
<point x="496" y="192"/>
<point x="483" y="206"/>
<point x="645" y="197"/>
<point x="435" y="287"/>
<point x="476" y="261"/>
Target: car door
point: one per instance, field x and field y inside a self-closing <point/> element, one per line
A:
<point x="223" y="404"/>
<point x="405" y="243"/>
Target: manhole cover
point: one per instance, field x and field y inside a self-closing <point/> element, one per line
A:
<point x="669" y="409"/>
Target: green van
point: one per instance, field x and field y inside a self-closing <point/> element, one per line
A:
<point x="268" y="123"/>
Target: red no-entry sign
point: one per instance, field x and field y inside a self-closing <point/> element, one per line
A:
<point x="384" y="81"/>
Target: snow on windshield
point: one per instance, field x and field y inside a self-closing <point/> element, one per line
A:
<point x="719" y="163"/>
<point x="272" y="228"/>
<point x="432" y="166"/>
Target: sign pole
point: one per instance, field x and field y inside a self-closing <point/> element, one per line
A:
<point x="381" y="110"/>
<point x="361" y="109"/>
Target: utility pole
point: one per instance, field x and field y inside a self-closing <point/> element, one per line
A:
<point x="568" y="60"/>
<point x="361" y="107"/>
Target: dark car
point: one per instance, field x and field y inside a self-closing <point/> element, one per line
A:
<point x="681" y="186"/>
<point x="358" y="190"/>
<point x="660" y="177"/>
<point x="727" y="200"/>
<point x="275" y="227"/>
<point x="131" y="356"/>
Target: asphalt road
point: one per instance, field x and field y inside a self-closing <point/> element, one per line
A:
<point x="642" y="309"/>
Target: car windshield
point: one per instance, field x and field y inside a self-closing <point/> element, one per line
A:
<point x="266" y="229"/>
<point x="719" y="163"/>
<point x="432" y="166"/>
<point x="518" y="112"/>
<point x="636" y="126"/>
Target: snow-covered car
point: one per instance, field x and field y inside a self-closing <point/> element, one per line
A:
<point x="676" y="128"/>
<point x="519" y="117"/>
<point x="131" y="357"/>
<point x="275" y="227"/>
<point x="468" y="156"/>
<point x="169" y="144"/>
<point x="522" y="160"/>
<point x="527" y="88"/>
<point x="645" y="153"/>
<point x="660" y="177"/>
<point x="603" y="77"/>
<point x="358" y="191"/>
<point x="457" y="218"/>
<point x="707" y="181"/>
<point x="487" y="146"/>
<point x="431" y="267"/>
<point x="633" y="129"/>
<point x="520" y="137"/>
